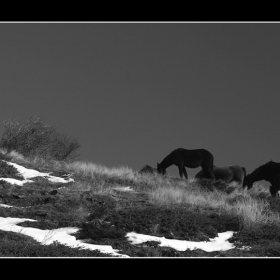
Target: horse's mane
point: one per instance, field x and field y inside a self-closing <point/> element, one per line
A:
<point x="257" y="170"/>
<point x="268" y="163"/>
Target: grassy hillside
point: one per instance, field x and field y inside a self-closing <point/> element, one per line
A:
<point x="95" y="205"/>
<point x="107" y="203"/>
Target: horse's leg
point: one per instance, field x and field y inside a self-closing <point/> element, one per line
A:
<point x="207" y="166"/>
<point x="181" y="170"/>
<point x="208" y="173"/>
<point x="185" y="173"/>
<point x="273" y="191"/>
<point x="275" y="186"/>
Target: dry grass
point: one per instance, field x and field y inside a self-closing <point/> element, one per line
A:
<point x="250" y="206"/>
<point x="92" y="170"/>
<point x="251" y="210"/>
<point x="78" y="188"/>
<point x="254" y="212"/>
<point x="165" y="206"/>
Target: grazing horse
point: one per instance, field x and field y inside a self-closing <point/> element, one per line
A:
<point x="183" y="158"/>
<point x="268" y="172"/>
<point x="148" y="169"/>
<point x="275" y="187"/>
<point x="226" y="173"/>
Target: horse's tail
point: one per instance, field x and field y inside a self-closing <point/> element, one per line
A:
<point x="211" y="160"/>
<point x="244" y="170"/>
<point x="208" y="164"/>
<point x="211" y="167"/>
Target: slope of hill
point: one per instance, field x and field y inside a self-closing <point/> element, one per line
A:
<point x="80" y="209"/>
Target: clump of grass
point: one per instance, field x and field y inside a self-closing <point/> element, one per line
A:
<point x="35" y="138"/>
<point x="122" y="175"/>
<point x="88" y="169"/>
<point x="259" y="191"/>
<point x="13" y="155"/>
<point x="4" y="155"/>
<point x="9" y="171"/>
<point x="17" y="245"/>
<point x="252" y="211"/>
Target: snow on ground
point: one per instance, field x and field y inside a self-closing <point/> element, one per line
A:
<point x="61" y="235"/>
<point x="9" y="206"/>
<point x="219" y="243"/>
<point x="124" y="189"/>
<point x="31" y="173"/>
<point x="5" y="206"/>
<point x="15" y="181"/>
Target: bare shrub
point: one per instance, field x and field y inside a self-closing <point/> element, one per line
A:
<point x="34" y="138"/>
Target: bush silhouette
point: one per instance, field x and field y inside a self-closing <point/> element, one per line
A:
<point x="34" y="138"/>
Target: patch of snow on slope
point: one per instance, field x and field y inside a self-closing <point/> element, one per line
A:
<point x="15" y="181"/>
<point x="61" y="235"/>
<point x="219" y="243"/>
<point x="31" y="173"/>
<point x="124" y="189"/>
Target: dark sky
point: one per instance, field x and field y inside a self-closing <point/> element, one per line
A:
<point x="133" y="92"/>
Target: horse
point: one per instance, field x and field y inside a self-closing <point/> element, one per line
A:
<point x="268" y="172"/>
<point x="275" y="187"/>
<point x="183" y="158"/>
<point x="230" y="173"/>
<point x="148" y="169"/>
<point x="274" y="191"/>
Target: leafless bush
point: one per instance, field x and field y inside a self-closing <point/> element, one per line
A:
<point x="34" y="138"/>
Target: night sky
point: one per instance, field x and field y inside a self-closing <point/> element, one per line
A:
<point x="133" y="92"/>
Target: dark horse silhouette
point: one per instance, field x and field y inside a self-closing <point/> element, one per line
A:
<point x="228" y="173"/>
<point x="183" y="158"/>
<point x="148" y="169"/>
<point x="268" y="172"/>
<point x="275" y="187"/>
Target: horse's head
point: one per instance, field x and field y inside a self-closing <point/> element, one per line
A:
<point x="273" y="191"/>
<point x="247" y="182"/>
<point x="160" y="169"/>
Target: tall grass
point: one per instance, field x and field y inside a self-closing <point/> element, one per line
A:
<point x="122" y="175"/>
<point x="251" y="210"/>
<point x="250" y="206"/>
<point x="89" y="169"/>
<point x="254" y="212"/>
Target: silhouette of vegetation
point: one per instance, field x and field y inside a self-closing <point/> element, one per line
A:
<point x="34" y="138"/>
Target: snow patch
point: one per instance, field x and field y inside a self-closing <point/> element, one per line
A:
<point x="61" y="235"/>
<point x="124" y="189"/>
<point x="31" y="173"/>
<point x="219" y="243"/>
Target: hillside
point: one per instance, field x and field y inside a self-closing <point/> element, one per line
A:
<point x="80" y="209"/>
